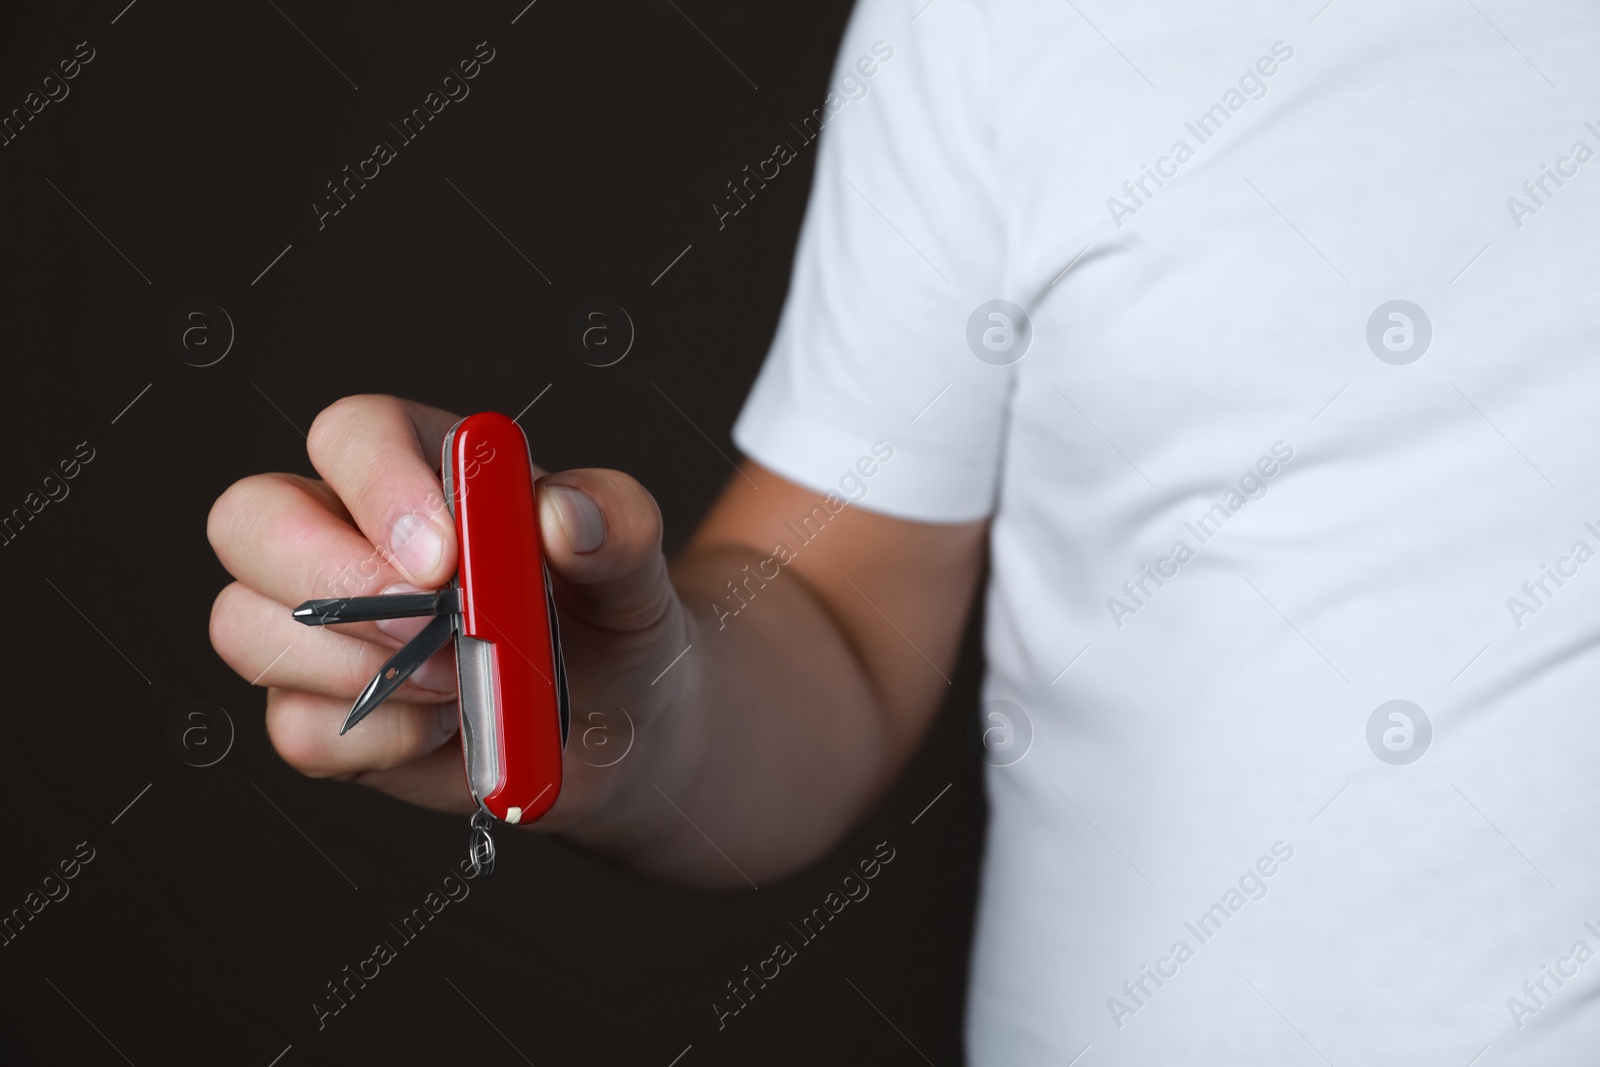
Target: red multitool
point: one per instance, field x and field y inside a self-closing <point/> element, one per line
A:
<point x="500" y="609"/>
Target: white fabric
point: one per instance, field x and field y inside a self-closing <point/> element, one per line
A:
<point x="1224" y="713"/>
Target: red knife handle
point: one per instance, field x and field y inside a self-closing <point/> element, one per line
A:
<point x="514" y="709"/>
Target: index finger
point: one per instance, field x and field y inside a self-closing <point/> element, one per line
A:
<point x="380" y="454"/>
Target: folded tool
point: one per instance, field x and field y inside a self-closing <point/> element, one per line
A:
<point x="500" y="609"/>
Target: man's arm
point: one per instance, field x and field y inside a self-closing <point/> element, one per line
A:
<point x="809" y="701"/>
<point x="770" y="736"/>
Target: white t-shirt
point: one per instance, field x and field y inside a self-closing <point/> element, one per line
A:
<point x="1241" y="500"/>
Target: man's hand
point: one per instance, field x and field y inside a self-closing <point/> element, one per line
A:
<point x="377" y="523"/>
<point x="770" y="735"/>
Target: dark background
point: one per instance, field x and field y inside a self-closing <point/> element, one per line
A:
<point x="196" y="142"/>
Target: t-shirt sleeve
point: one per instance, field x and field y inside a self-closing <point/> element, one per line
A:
<point x="901" y="244"/>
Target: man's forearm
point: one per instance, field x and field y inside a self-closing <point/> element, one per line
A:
<point x="769" y="744"/>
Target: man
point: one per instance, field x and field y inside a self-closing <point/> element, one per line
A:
<point x="1256" y="348"/>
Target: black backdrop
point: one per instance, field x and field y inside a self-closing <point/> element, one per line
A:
<point x="181" y="164"/>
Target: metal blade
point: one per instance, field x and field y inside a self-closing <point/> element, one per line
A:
<point x="446" y="601"/>
<point x="401" y="666"/>
<point x="562" y="702"/>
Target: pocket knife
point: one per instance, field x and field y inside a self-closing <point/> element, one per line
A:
<point x="501" y="611"/>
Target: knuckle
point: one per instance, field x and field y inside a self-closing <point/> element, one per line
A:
<point x="220" y="628"/>
<point x="229" y="509"/>
<point x="644" y="518"/>
<point x="238" y="513"/>
<point x="218" y="518"/>
<point x="634" y="525"/>
<point x="289" y="520"/>
<point x="404" y="736"/>
<point x="298" y="735"/>
<point x="633" y="519"/>
<point x="329" y="425"/>
<point x="335" y="423"/>
<point x="355" y="662"/>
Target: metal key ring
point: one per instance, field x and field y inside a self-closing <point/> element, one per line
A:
<point x="480" y="845"/>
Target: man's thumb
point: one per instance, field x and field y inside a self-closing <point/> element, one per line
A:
<point x="602" y="538"/>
